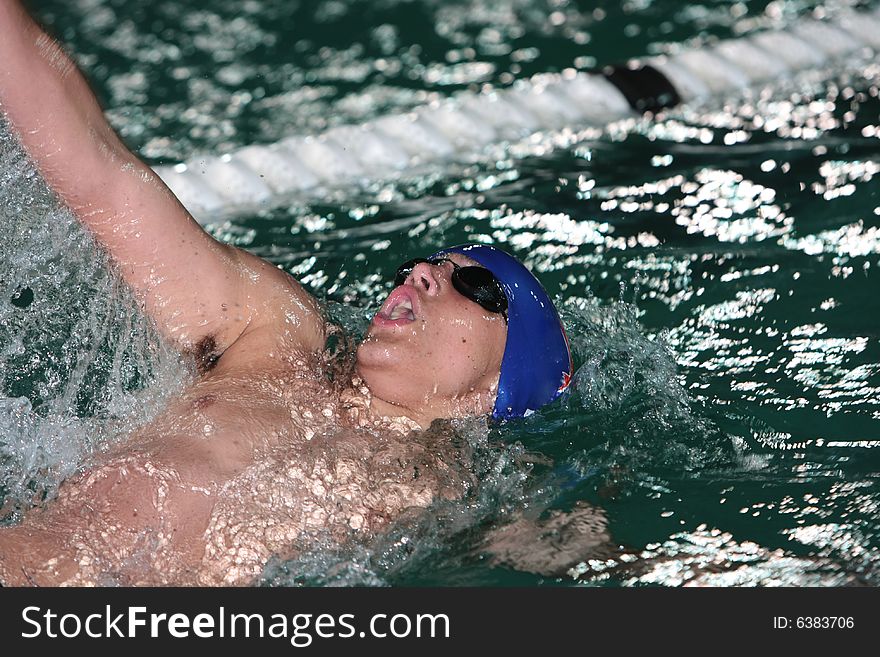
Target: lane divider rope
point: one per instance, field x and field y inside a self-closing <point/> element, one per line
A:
<point x="460" y="127"/>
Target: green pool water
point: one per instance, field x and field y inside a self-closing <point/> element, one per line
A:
<point x="715" y="266"/>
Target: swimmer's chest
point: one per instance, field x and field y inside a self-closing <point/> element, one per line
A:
<point x="223" y="423"/>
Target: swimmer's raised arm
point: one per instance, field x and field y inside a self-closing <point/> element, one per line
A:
<point x="198" y="290"/>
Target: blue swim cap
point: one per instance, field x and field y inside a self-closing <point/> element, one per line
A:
<point x="537" y="363"/>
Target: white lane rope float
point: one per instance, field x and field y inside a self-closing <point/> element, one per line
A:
<point x="258" y="176"/>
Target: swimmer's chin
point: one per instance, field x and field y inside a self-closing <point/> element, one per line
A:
<point x="401" y="407"/>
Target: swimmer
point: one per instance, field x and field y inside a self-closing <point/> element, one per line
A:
<point x="265" y="448"/>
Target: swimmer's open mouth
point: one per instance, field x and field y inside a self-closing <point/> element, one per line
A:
<point x="401" y="304"/>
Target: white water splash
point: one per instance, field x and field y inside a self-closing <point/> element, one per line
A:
<point x="79" y="363"/>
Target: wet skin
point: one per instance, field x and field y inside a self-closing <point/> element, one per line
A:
<point x="262" y="450"/>
<point x="260" y="453"/>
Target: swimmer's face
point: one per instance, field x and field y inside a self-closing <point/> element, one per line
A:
<point x="432" y="350"/>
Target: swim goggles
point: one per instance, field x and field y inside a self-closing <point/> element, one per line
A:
<point x="475" y="283"/>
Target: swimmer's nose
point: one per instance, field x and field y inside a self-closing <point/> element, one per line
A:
<point x="426" y="277"/>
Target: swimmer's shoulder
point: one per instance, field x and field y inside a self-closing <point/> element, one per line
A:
<point x="278" y="308"/>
